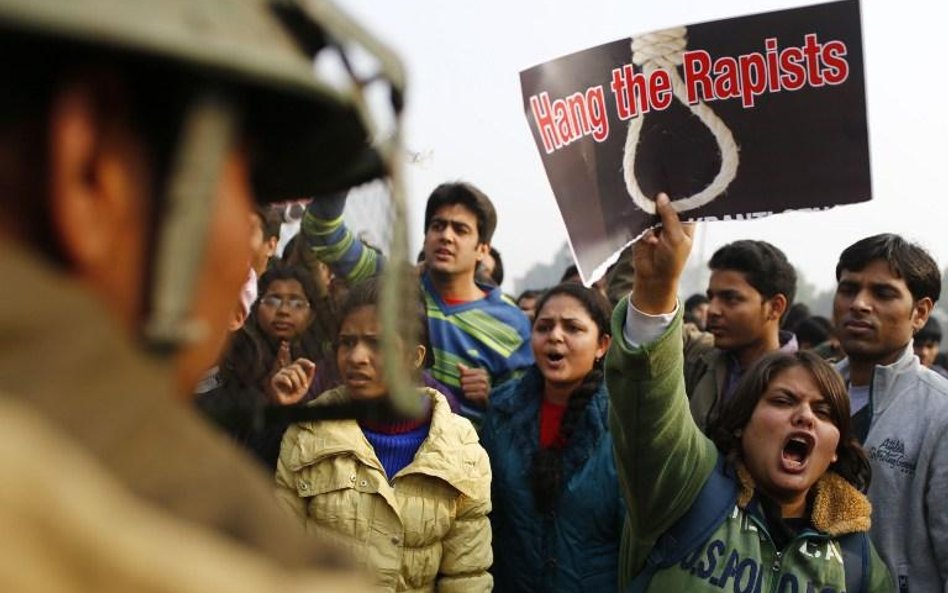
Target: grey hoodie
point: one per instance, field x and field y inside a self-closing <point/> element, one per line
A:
<point x="907" y="445"/>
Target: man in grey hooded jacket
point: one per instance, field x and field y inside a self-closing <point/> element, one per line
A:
<point x="886" y="290"/>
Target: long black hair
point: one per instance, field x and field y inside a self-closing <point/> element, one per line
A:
<point x="547" y="470"/>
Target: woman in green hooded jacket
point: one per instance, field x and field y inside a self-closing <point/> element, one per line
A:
<point x="784" y="443"/>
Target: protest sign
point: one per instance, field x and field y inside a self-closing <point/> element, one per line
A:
<point x="734" y="119"/>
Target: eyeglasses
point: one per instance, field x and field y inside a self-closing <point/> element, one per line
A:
<point x="275" y="302"/>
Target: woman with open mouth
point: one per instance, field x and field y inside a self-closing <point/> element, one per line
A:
<point x="772" y="501"/>
<point x="558" y="511"/>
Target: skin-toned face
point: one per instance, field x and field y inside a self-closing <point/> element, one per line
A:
<point x="451" y="242"/>
<point x="257" y="245"/>
<point x="927" y="352"/>
<point x="359" y="354"/>
<point x="738" y="316"/>
<point x="700" y="313"/>
<point x="875" y="315"/>
<point x="284" y="312"/>
<point x="790" y="439"/>
<point x="488" y="264"/>
<point x="529" y="306"/>
<point x="566" y="342"/>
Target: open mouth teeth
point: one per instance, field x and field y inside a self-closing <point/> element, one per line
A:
<point x="796" y="450"/>
<point x="554" y="357"/>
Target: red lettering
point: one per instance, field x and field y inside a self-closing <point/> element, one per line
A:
<point x="660" y="90"/>
<point x="544" y="121"/>
<point x="837" y="68"/>
<point x="561" y="117"/>
<point x="753" y="77"/>
<point x="773" y="69"/>
<point x="596" y="101"/>
<point x="637" y="89"/>
<point x="696" y="65"/>
<point x="811" y="49"/>
<point x="621" y="97"/>
<point x="727" y="85"/>
<point x="578" y="118"/>
<point x="793" y="76"/>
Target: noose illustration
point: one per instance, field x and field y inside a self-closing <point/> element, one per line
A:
<point x="663" y="49"/>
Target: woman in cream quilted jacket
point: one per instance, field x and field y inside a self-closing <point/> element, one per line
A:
<point x="408" y="497"/>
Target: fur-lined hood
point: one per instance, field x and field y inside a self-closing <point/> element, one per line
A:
<point x="838" y="507"/>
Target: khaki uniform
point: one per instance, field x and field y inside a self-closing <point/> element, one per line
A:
<point x="98" y="460"/>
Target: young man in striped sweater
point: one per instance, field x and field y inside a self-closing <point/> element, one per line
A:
<point x="480" y="337"/>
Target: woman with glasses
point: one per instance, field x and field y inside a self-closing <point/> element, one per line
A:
<point x="277" y="333"/>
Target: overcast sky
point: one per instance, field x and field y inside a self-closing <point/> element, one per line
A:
<point x="465" y="116"/>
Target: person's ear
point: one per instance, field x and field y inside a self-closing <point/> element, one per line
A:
<point x="418" y="360"/>
<point x="778" y="306"/>
<point x="921" y="309"/>
<point x="272" y="243"/>
<point x="98" y="187"/>
<point x="91" y="182"/>
<point x="482" y="250"/>
<point x="604" y="341"/>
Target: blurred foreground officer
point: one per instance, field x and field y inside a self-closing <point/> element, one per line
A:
<point x="134" y="138"/>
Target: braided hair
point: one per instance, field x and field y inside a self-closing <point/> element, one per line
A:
<point x="547" y="469"/>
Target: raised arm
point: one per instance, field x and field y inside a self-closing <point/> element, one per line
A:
<point x="329" y="240"/>
<point x="662" y="457"/>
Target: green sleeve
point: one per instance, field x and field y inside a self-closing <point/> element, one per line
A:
<point x="880" y="579"/>
<point x="662" y="457"/>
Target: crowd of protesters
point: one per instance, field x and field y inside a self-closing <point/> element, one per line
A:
<point x="554" y="470"/>
<point x="604" y="438"/>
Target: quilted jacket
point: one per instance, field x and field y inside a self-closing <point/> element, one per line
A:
<point x="426" y="529"/>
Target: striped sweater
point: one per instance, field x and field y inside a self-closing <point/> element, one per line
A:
<point x="490" y="333"/>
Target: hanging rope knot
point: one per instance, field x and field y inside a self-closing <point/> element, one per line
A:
<point x="660" y="49"/>
<point x="664" y="49"/>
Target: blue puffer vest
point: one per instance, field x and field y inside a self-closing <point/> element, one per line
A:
<point x="576" y="547"/>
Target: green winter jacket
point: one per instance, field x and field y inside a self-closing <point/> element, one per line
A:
<point x="663" y="460"/>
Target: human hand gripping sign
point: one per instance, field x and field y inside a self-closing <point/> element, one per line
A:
<point x="659" y="258"/>
<point x="289" y="381"/>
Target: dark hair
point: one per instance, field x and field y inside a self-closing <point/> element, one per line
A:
<point x="764" y="267"/>
<point x="695" y="300"/>
<point x="282" y="271"/>
<point x="249" y="356"/>
<point x="368" y="293"/>
<point x="465" y="194"/>
<point x="287" y="254"/>
<point x="851" y="462"/>
<point x="795" y="314"/>
<point x="498" y="274"/>
<point x="930" y="332"/>
<point x="570" y="274"/>
<point x="528" y="294"/>
<point x="813" y="331"/>
<point x="547" y="470"/>
<point x="907" y="261"/>
<point x="270" y="221"/>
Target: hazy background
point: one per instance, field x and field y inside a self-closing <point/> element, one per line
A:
<point x="465" y="121"/>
